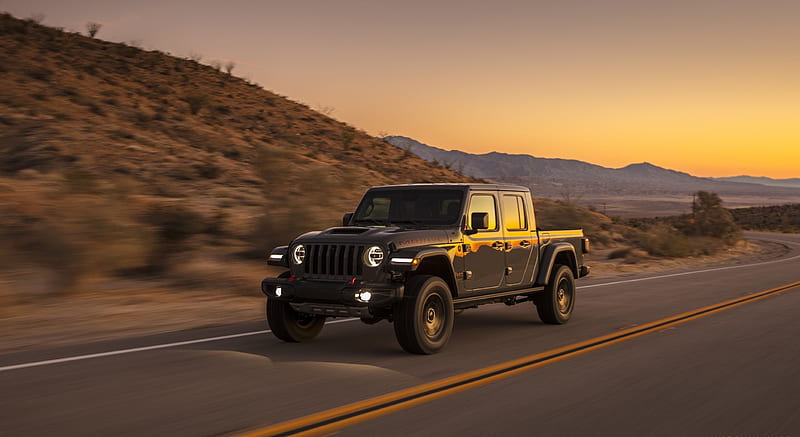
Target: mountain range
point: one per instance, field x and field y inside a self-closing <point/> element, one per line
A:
<point x="792" y="182"/>
<point x="644" y="183"/>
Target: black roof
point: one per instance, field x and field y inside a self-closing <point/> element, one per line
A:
<point x="473" y="187"/>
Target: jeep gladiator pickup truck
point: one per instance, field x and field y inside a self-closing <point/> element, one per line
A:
<point x="415" y="255"/>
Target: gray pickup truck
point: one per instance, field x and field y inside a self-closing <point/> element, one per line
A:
<point x="415" y="255"/>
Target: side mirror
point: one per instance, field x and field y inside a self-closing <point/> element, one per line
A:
<point x="480" y="220"/>
<point x="346" y="218"/>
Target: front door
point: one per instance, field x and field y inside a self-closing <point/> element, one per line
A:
<point x="484" y="251"/>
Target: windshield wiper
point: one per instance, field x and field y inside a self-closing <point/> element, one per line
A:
<point x="370" y="221"/>
<point x="410" y="222"/>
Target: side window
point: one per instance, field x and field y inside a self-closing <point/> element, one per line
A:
<point x="514" y="213"/>
<point x="483" y="203"/>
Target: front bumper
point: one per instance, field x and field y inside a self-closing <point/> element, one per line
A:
<point x="333" y="298"/>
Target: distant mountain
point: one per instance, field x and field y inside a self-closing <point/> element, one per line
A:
<point x="506" y="167"/>
<point x="594" y="184"/>
<point x="795" y="182"/>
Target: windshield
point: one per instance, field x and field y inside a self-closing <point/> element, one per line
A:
<point x="418" y="207"/>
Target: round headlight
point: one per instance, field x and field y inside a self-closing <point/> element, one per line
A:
<point x="299" y="254"/>
<point x="373" y="257"/>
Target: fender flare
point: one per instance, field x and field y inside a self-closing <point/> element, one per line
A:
<point x="421" y="255"/>
<point x="549" y="257"/>
<point x="279" y="257"/>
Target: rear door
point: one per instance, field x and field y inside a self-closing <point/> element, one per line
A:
<point x="520" y="242"/>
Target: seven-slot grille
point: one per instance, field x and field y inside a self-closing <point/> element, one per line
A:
<point x="333" y="261"/>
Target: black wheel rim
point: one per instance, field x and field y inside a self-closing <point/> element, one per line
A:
<point x="433" y="317"/>
<point x="564" y="296"/>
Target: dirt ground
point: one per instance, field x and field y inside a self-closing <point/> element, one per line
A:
<point x="129" y="308"/>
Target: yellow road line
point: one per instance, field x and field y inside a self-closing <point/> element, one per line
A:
<point x="347" y="415"/>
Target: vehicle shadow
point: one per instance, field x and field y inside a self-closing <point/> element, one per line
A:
<point x="475" y="334"/>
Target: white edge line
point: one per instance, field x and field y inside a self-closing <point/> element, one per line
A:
<point x="144" y="348"/>
<point x="265" y="331"/>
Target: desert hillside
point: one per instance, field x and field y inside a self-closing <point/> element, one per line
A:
<point x="116" y="160"/>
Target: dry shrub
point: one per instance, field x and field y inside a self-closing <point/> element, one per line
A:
<point x="635" y="256"/>
<point x="52" y="245"/>
<point x="199" y="273"/>
<point x="39" y="73"/>
<point x="174" y="224"/>
<point x="74" y="238"/>
<point x="706" y="245"/>
<point x="556" y="215"/>
<point x="80" y="181"/>
<point x="29" y="146"/>
<point x="82" y="236"/>
<point x="204" y="139"/>
<point x="629" y="255"/>
<point x="619" y="253"/>
<point x="272" y="163"/>
<point x="706" y="231"/>
<point x="664" y="241"/>
<point x="196" y="101"/>
<point x="208" y="170"/>
<point x="286" y="217"/>
<point x="279" y="227"/>
<point x="553" y="215"/>
<point x="710" y="219"/>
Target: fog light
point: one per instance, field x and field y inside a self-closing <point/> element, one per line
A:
<point x="364" y="296"/>
<point x="278" y="291"/>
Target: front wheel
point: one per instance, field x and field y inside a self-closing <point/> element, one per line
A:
<point x="423" y="320"/>
<point x="556" y="302"/>
<point x="291" y="326"/>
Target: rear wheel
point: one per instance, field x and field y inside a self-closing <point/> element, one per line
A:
<point x="423" y="320"/>
<point x="556" y="302"/>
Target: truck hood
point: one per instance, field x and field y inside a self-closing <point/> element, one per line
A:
<point x="390" y="236"/>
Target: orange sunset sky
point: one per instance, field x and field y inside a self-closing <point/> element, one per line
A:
<point x="707" y="87"/>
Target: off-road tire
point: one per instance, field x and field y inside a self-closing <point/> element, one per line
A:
<point x="423" y="319"/>
<point x="289" y="325"/>
<point x="556" y="302"/>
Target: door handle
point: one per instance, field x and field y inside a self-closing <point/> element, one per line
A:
<point x="508" y="246"/>
<point x="524" y="243"/>
<point x="498" y="245"/>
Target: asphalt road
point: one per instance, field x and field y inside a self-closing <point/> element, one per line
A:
<point x="731" y="373"/>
